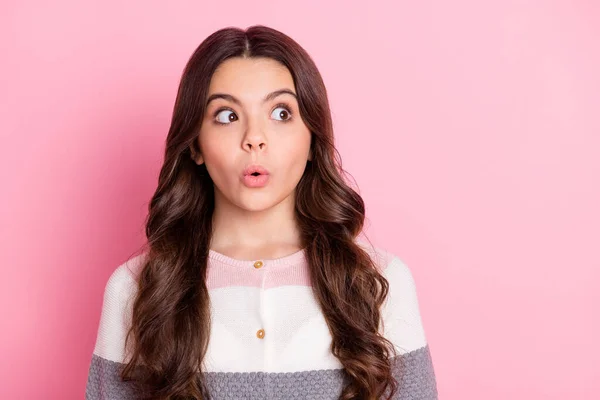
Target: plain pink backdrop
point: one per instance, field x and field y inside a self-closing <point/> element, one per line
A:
<point x="471" y="127"/>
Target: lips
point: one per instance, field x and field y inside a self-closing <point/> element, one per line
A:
<point x="255" y="170"/>
<point x="255" y="176"/>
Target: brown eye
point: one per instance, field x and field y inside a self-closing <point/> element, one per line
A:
<point x="281" y="112"/>
<point x="224" y="118"/>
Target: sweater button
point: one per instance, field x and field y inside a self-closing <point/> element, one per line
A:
<point x="260" y="333"/>
<point x="258" y="264"/>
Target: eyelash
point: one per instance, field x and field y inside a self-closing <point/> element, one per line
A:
<point x="282" y="105"/>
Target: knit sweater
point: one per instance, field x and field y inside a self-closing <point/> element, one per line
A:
<point x="268" y="336"/>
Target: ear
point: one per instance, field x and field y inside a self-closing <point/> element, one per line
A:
<point x="196" y="156"/>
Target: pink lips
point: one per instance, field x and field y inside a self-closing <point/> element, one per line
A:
<point x="255" y="176"/>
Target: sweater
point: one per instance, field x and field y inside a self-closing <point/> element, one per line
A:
<point x="268" y="336"/>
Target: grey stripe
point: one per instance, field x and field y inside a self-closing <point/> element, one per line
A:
<point x="416" y="376"/>
<point x="413" y="370"/>
<point x="104" y="382"/>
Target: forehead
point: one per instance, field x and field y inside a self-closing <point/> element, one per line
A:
<point x="250" y="78"/>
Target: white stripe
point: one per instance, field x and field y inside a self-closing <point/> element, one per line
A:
<point x="401" y="315"/>
<point x="296" y="335"/>
<point x="115" y="318"/>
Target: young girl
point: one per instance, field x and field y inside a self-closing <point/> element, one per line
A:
<point x="254" y="284"/>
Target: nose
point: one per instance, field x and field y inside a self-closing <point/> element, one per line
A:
<point x="254" y="145"/>
<point x="254" y="139"/>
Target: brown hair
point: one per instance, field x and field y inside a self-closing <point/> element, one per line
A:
<point x="170" y="317"/>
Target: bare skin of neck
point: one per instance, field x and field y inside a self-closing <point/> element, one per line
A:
<point x="249" y="235"/>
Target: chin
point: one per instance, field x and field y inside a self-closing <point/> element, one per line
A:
<point x="257" y="206"/>
<point x="256" y="203"/>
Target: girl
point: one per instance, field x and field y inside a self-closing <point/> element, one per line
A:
<point x="254" y="284"/>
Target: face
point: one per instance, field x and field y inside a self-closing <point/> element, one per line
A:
<point x="252" y="118"/>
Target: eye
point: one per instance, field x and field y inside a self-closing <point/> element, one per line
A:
<point x="224" y="118"/>
<point x="283" y="112"/>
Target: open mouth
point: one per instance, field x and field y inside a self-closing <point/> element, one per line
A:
<point x="255" y="171"/>
<point x="255" y="179"/>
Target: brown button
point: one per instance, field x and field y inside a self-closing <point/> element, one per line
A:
<point x="260" y="333"/>
<point x="258" y="264"/>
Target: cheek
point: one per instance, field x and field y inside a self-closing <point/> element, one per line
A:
<point x="217" y="159"/>
<point x="214" y="147"/>
<point x="299" y="147"/>
<point x="295" y="156"/>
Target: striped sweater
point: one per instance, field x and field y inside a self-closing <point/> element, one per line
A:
<point x="268" y="337"/>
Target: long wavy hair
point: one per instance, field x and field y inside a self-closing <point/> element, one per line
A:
<point x="170" y="326"/>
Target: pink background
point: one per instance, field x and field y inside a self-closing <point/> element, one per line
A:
<point x="471" y="127"/>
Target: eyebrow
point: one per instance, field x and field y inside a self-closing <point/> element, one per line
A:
<point x="233" y="99"/>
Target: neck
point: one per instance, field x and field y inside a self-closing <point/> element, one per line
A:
<point x="246" y="234"/>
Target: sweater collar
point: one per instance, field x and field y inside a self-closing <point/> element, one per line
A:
<point x="296" y="258"/>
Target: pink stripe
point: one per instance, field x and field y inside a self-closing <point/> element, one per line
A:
<point x="268" y="276"/>
<point x="291" y="270"/>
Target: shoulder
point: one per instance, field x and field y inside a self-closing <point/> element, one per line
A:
<point x="122" y="282"/>
<point x="401" y="315"/>
<point x="387" y="263"/>
<point x="115" y="317"/>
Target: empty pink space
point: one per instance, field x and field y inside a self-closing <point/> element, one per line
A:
<point x="471" y="128"/>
